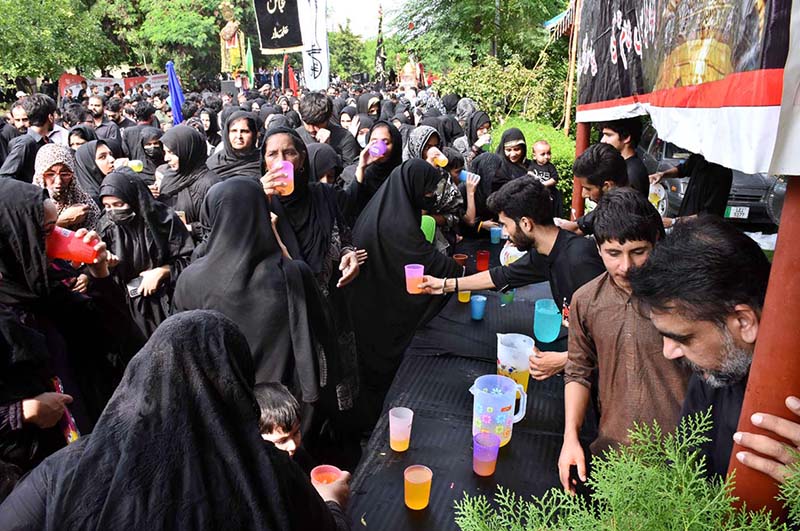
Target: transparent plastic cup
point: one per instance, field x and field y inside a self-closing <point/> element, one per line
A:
<point x="477" y="305"/>
<point x="287" y="183"/>
<point x="324" y="474"/>
<point x="417" y="483"/>
<point x="400" y="421"/>
<point x="414" y="274"/>
<point x="485" y="447"/>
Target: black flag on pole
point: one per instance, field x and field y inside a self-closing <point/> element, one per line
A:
<point x="278" y="26"/>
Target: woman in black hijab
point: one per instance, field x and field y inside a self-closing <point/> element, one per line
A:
<point x="79" y="135"/>
<point x="325" y="164"/>
<point x="346" y="116"/>
<point x="49" y="330"/>
<point x="479" y="130"/>
<point x="313" y="228"/>
<point x="177" y="447"/>
<point x="478" y="215"/>
<point x="151" y="242"/>
<point x="450" y="103"/>
<point x="239" y="156"/>
<point x="143" y="142"/>
<point x="93" y="161"/>
<point x="211" y="127"/>
<point x="385" y="316"/>
<point x="513" y="149"/>
<point x="293" y="119"/>
<point x="188" y="179"/>
<point x="370" y="104"/>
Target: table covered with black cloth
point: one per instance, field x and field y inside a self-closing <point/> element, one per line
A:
<point x="433" y="380"/>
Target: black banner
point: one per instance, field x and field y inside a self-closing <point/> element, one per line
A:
<point x="635" y="47"/>
<point x="278" y="26"/>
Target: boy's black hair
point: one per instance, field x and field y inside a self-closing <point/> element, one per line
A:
<point x="143" y="111"/>
<point x="188" y="109"/>
<point x="601" y="163"/>
<point x="114" y="104"/>
<point x="279" y="409"/>
<point x="74" y="114"/>
<point x="38" y="107"/>
<point x="454" y="158"/>
<point x="213" y="102"/>
<point x="316" y="108"/>
<point x="703" y="269"/>
<point x="523" y="197"/>
<point x="629" y="127"/>
<point x="625" y="215"/>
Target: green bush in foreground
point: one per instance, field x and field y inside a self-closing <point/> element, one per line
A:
<point x="656" y="483"/>
<point x="563" y="149"/>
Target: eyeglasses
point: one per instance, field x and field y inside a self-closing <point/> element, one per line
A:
<point x="62" y="174"/>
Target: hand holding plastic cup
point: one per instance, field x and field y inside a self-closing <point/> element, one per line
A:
<point x="324" y="475"/>
<point x="477" y="305"/>
<point x="400" y="420"/>
<point x="62" y="243"/>
<point x="417" y="483"/>
<point x="485" y="447"/>
<point x="378" y="148"/>
<point x="495" y="233"/>
<point x="414" y="274"/>
<point x="286" y="186"/>
<point x="462" y="176"/>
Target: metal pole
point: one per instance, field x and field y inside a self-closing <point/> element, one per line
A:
<point x="776" y="361"/>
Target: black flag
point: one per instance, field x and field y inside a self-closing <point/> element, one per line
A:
<point x="278" y="26"/>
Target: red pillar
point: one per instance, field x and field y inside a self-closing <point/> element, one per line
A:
<point x="581" y="144"/>
<point x="775" y="373"/>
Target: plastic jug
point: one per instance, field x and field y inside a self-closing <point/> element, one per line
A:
<point x="513" y="352"/>
<point x="493" y="406"/>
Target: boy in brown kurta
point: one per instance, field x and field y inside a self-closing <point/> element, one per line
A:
<point x="635" y="383"/>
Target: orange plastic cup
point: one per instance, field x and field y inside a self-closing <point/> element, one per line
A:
<point x="324" y="475"/>
<point x="417" y="481"/>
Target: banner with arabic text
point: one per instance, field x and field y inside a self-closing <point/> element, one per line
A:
<point x="278" y="25"/>
<point x="316" y="62"/>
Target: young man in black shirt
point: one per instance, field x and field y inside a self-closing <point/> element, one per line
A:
<point x="565" y="260"/>
<point x="704" y="288"/>
<point x="624" y="136"/>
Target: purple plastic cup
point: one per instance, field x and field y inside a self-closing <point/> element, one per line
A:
<point x="484" y="453"/>
<point x="414" y="274"/>
<point x="287" y="168"/>
<point x="378" y="149"/>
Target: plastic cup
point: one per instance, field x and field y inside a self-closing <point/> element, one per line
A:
<point x="485" y="447"/>
<point x="482" y="260"/>
<point x="428" y="226"/>
<point x="400" y="420"/>
<point x="417" y="482"/>
<point x="287" y="183"/>
<point x="62" y="243"/>
<point x="546" y="321"/>
<point x="378" y="149"/>
<point x="464" y="296"/>
<point x="461" y="259"/>
<point x="136" y="165"/>
<point x="495" y="233"/>
<point x="477" y="305"/>
<point x="414" y="274"/>
<point x="324" y="475"/>
<point x="462" y="177"/>
<point x="507" y="297"/>
<point x="440" y="160"/>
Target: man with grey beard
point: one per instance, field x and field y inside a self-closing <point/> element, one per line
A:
<point x="703" y="288"/>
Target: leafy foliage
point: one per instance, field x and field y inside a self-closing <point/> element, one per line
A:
<point x="42" y="38"/>
<point x="347" y="53"/>
<point x="658" y="482"/>
<point x="790" y="492"/>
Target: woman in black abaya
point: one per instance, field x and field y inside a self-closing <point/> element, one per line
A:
<point x="177" y="447"/>
<point x="93" y="161"/>
<point x="188" y="179"/>
<point x="313" y="228"/>
<point x="325" y="164"/>
<point x="143" y="143"/>
<point x="151" y="242"/>
<point x="478" y="218"/>
<point x="512" y="149"/>
<point x="385" y="316"/>
<point x="239" y="156"/>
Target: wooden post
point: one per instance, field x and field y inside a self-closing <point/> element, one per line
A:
<point x="581" y="145"/>
<point x="775" y="373"/>
<point x="573" y="59"/>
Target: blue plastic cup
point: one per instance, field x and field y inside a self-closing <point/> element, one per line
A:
<point x="546" y="321"/>
<point x="462" y="177"/>
<point x="496" y="233"/>
<point x="477" y="306"/>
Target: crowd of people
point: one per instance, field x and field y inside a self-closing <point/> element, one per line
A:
<point x="247" y="310"/>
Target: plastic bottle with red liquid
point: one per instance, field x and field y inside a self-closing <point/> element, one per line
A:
<point x="62" y="243"/>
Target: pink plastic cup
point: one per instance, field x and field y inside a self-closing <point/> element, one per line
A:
<point x="287" y="183"/>
<point x="324" y="475"/>
<point x="414" y="274"/>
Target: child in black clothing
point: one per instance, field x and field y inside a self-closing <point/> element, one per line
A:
<point x="280" y="422"/>
<point x="542" y="169"/>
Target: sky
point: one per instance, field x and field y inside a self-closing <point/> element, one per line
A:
<point x="363" y="15"/>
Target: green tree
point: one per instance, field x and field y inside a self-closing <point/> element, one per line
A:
<point x="44" y="37"/>
<point x="347" y="53"/>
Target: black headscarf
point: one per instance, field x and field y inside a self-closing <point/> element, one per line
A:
<point x="450" y="102"/>
<point x="311" y="211"/>
<point x="365" y="121"/>
<point x="387" y="110"/>
<point x="83" y="131"/>
<point x="293" y="119"/>
<point x="135" y="139"/>
<point x="349" y="111"/>
<point x="376" y="173"/>
<point x="477" y="119"/>
<point x="490" y="167"/>
<point x="189" y="146"/>
<point x="365" y="101"/>
<point x="323" y="158"/>
<point x="417" y="141"/>
<point x="153" y="237"/>
<point x="226" y="113"/>
<point x="212" y="135"/>
<point x="228" y="162"/>
<point x="178" y="444"/>
<point x="436" y="123"/>
<point x="88" y="174"/>
<point x="511" y="170"/>
<point x="250" y="281"/>
<point x="338" y="104"/>
<point x="385" y="316"/>
<point x="451" y="129"/>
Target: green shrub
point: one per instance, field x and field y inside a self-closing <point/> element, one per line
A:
<point x="656" y="483"/>
<point x="563" y="148"/>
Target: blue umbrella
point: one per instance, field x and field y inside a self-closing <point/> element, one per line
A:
<point x="175" y="93"/>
